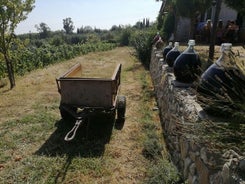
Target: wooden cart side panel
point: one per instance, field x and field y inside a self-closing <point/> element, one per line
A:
<point x="114" y="91"/>
<point x="116" y="72"/>
<point x="87" y="93"/>
<point x="75" y="73"/>
<point x="72" y="72"/>
<point x="116" y="83"/>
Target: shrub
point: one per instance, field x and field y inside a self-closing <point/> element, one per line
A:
<point x="142" y="42"/>
<point x="125" y="37"/>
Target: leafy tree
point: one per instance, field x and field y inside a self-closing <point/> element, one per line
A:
<point x="86" y="29"/>
<point x="43" y="30"/>
<point x="12" y="12"/>
<point x="68" y="25"/>
<point x="116" y="28"/>
<point x="138" y="25"/>
<point x="125" y="36"/>
<point x="57" y="40"/>
<point x="142" y="24"/>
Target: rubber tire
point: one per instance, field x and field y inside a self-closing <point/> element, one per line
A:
<point x="121" y="110"/>
<point x="121" y="107"/>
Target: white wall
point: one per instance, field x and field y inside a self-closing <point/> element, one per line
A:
<point x="227" y="13"/>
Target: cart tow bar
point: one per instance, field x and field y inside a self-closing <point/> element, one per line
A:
<point x="71" y="134"/>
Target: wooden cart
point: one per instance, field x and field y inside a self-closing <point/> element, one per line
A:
<point x="82" y="97"/>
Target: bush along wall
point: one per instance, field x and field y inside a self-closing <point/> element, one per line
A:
<point x="142" y="42"/>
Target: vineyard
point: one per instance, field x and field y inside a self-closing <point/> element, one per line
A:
<point x="30" y="58"/>
<point x="34" y="50"/>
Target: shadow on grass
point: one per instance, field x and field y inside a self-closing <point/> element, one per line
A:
<point x="89" y="141"/>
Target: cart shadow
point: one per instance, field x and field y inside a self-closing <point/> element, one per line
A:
<point x="89" y="141"/>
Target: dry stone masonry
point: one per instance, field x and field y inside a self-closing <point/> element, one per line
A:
<point x="178" y="108"/>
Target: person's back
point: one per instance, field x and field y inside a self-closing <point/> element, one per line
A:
<point x="207" y="30"/>
<point x="220" y="32"/>
<point x="231" y="31"/>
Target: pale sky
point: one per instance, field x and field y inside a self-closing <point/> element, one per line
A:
<point x="101" y="14"/>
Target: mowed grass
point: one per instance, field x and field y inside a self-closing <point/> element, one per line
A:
<point x="32" y="150"/>
<point x="32" y="146"/>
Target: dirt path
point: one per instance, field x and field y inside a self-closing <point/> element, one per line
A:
<point x="124" y="151"/>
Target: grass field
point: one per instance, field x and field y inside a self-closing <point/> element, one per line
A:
<point x="32" y="146"/>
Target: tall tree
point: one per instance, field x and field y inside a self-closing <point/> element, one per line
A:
<point x="43" y="30"/>
<point x="12" y="12"/>
<point x="68" y="25"/>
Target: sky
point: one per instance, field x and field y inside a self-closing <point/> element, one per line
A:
<point x="102" y="14"/>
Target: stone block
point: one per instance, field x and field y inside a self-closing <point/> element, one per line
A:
<point x="184" y="147"/>
<point x="193" y="145"/>
<point x="202" y="171"/>
<point x="192" y="169"/>
<point x="187" y="163"/>
<point x="216" y="178"/>
<point x="192" y="155"/>
<point x="226" y="174"/>
<point x="203" y="155"/>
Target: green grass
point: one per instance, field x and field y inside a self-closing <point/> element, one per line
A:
<point x="32" y="150"/>
<point x="161" y="169"/>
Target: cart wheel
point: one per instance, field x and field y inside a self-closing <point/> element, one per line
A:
<point x="121" y="109"/>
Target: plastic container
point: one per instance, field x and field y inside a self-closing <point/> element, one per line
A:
<point x="173" y="54"/>
<point x="187" y="66"/>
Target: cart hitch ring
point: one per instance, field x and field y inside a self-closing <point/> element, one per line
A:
<point x="71" y="134"/>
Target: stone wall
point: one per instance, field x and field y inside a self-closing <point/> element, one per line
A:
<point x="178" y="110"/>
